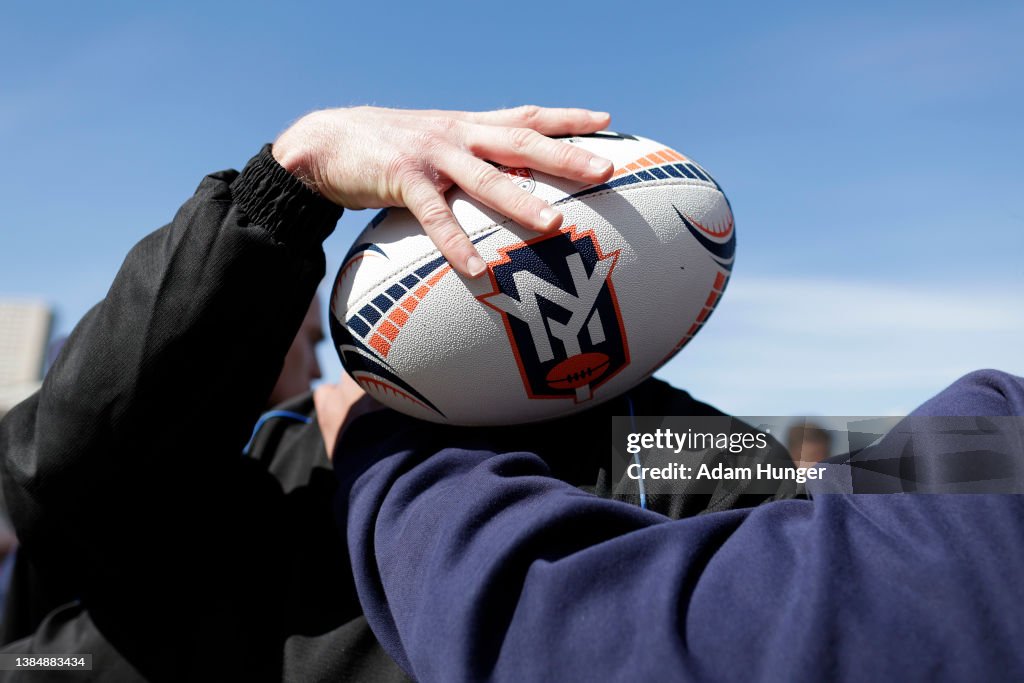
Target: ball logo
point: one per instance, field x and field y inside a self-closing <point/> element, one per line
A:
<point x="523" y="177"/>
<point x="556" y="298"/>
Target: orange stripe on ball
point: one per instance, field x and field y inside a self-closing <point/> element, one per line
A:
<point x="399" y="317"/>
<point x="380" y="344"/>
<point x="388" y="330"/>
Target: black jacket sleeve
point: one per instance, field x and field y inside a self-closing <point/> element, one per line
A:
<point x="122" y="474"/>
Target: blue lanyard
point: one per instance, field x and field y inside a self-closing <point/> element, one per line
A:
<point x="271" y="415"/>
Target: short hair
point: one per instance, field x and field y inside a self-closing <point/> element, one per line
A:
<point x="810" y="432"/>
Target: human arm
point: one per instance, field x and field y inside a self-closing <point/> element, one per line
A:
<point x="122" y="473"/>
<point x="472" y="564"/>
<point x="178" y="358"/>
<point x="191" y="333"/>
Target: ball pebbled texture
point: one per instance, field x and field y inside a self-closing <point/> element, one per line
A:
<point x="559" y="322"/>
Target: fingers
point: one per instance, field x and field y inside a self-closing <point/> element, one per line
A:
<point x="549" y="121"/>
<point x="490" y="186"/>
<point x="450" y="146"/>
<point x="514" y="147"/>
<point x="432" y="211"/>
<point x="527" y="148"/>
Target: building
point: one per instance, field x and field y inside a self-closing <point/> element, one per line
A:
<point x="24" y="334"/>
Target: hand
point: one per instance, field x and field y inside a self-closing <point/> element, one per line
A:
<point x="337" y="405"/>
<point x="367" y="157"/>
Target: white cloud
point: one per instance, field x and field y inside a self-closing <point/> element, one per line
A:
<point x="791" y="346"/>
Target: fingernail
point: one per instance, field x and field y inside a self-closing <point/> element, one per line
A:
<point x="475" y="266"/>
<point x="600" y="165"/>
<point x="548" y="216"/>
<point x="599" y="115"/>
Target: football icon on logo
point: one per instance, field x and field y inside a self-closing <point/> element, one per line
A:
<point x="578" y="371"/>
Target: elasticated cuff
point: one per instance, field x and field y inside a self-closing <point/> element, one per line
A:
<point x="275" y="199"/>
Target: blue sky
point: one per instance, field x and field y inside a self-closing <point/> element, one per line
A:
<point x="872" y="153"/>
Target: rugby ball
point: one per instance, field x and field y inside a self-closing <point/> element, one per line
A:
<point x="559" y="322"/>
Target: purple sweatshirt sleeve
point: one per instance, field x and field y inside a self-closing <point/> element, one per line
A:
<point x="473" y="565"/>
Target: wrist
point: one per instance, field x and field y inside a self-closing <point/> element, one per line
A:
<point x="296" y="154"/>
<point x="275" y="199"/>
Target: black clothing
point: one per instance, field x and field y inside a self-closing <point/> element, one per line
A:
<point x="124" y="479"/>
<point x="123" y="474"/>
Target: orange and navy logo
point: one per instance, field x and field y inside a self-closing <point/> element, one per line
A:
<point x="556" y="299"/>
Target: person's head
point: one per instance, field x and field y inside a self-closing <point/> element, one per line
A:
<point x="300" y="364"/>
<point x="808" y="444"/>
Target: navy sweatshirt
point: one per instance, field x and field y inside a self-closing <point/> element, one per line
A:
<point x="473" y="563"/>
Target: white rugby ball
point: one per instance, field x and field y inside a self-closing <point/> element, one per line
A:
<point x="561" y="321"/>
